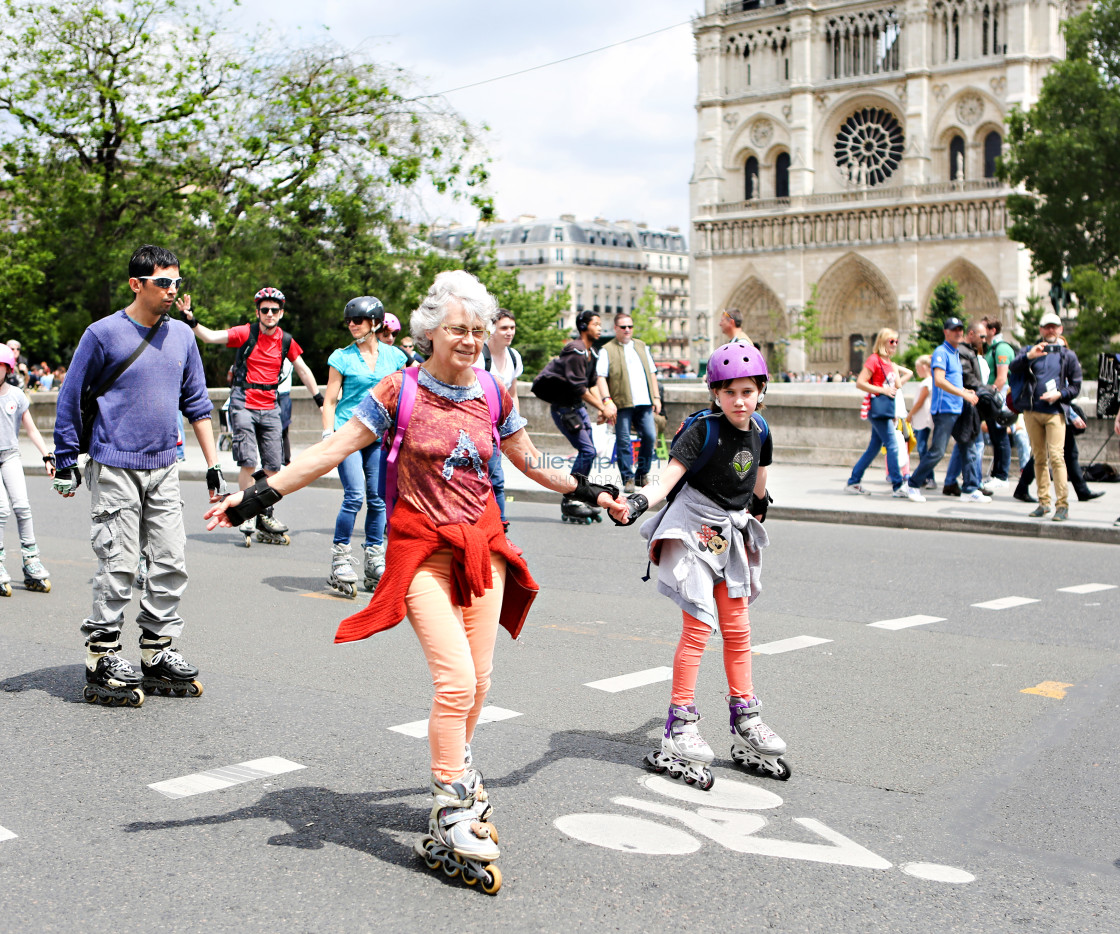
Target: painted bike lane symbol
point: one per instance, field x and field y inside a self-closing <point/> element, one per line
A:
<point x="726" y="817"/>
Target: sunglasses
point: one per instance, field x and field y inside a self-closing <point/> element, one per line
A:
<point x="270" y="311"/>
<point x="624" y="327"/>
<point x="893" y="343"/>
<point x="162" y="282"/>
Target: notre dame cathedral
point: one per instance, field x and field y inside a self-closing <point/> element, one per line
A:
<point x="853" y="146"/>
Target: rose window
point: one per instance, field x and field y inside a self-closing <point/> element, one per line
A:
<point x="869" y="146"/>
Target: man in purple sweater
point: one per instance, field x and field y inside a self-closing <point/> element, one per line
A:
<point x="134" y="480"/>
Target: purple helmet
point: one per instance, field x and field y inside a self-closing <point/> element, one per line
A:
<point x="734" y="360"/>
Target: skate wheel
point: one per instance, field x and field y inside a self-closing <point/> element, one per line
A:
<point x="248" y="541"/>
<point x="194" y="689"/>
<point x="783" y="771"/>
<point x="89" y="695"/>
<point x="136" y="699"/>
<point x="707" y="781"/>
<point x="689" y="780"/>
<point x="450" y="868"/>
<point x="46" y="587"/>
<point x="5" y="590"/>
<point x="493" y="880"/>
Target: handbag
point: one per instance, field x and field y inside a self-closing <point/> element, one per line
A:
<point x="882" y="406"/>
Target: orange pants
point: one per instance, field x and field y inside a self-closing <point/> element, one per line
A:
<point x="735" y="627"/>
<point x="458" y="643"/>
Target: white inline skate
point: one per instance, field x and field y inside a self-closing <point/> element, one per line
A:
<point x="754" y="745"/>
<point x="343" y="580"/>
<point x="459" y="841"/>
<point x="683" y="751"/>
<point x="374" y="565"/>
<point x="5" y="578"/>
<point x="35" y="576"/>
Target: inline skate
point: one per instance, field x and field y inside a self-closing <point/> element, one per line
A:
<point x="572" y="510"/>
<point x="458" y="841"/>
<point x="374" y="565"/>
<point x="754" y="745"/>
<point x="165" y="671"/>
<point x="270" y="530"/>
<point x="5" y="578"/>
<point x="35" y="576"/>
<point x="247" y="528"/>
<point x="343" y="580"/>
<point x="683" y="753"/>
<point x="110" y="679"/>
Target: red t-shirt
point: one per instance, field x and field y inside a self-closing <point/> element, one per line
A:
<point x="263" y="364"/>
<point x="441" y="467"/>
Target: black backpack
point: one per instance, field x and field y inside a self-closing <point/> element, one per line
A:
<point x="241" y="361"/>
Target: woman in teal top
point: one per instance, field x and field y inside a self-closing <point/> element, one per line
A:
<point x="354" y="371"/>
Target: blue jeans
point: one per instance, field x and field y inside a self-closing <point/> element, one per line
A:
<point x="1001" y="452"/>
<point x="498" y="481"/>
<point x="358" y="473"/>
<point x="943" y="423"/>
<point x="641" y="417"/>
<point x="882" y="436"/>
<point x="972" y="454"/>
<point x="579" y="438"/>
<point x="921" y="436"/>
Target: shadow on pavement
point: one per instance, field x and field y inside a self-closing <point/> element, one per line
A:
<point x="63" y="681"/>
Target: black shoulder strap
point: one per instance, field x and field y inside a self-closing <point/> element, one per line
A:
<point x="145" y="342"/>
<point x="487" y="357"/>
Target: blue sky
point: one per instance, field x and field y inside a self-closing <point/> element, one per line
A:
<point x="607" y="135"/>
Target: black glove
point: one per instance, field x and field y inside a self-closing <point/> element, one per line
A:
<point x="587" y="492"/>
<point x="318" y="397"/>
<point x="67" y="479"/>
<point x="254" y="501"/>
<point x="215" y="482"/>
<point x="638" y="504"/>
<point x="757" y="505"/>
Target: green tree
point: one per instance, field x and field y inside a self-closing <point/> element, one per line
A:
<point x="808" y="328"/>
<point x="945" y="302"/>
<point x="138" y="121"/>
<point x="644" y="313"/>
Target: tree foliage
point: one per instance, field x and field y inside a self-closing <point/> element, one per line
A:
<point x="945" y="302"/>
<point x="644" y="315"/>
<point x="146" y="121"/>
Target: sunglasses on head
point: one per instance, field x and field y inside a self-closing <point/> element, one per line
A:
<point x="162" y="282"/>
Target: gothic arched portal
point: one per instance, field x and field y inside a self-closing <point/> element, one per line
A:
<point x="763" y="319"/>
<point x="980" y="298"/>
<point x="855" y="302"/>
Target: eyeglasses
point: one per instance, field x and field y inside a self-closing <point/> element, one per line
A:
<point x="270" y="311"/>
<point x="624" y="327"/>
<point x="162" y="282"/>
<point x="459" y="332"/>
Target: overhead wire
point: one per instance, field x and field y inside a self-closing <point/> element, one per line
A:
<point x="560" y="61"/>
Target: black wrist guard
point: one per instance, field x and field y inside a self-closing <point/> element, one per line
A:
<point x="254" y="501"/>
<point x="757" y="505"/>
<point x="638" y="504"/>
<point x="318" y="397"/>
<point x="587" y="492"/>
<point x="215" y="482"/>
<point x="190" y="320"/>
<point x="69" y="473"/>
<point x="48" y="459"/>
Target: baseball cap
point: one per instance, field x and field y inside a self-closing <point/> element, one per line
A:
<point x="1049" y="318"/>
<point x="951" y="324"/>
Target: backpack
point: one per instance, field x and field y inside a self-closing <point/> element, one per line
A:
<point x="387" y="475"/>
<point x="241" y="361"/>
<point x="711" y="440"/>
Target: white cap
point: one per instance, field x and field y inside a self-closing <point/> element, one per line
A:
<point x="1049" y="318"/>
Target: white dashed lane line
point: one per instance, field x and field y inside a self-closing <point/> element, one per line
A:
<point x="418" y="729"/>
<point x="215" y="779"/>
<point x="1005" y="603"/>
<point x="788" y="645"/>
<point x="906" y="622"/>
<point x="637" y="679"/>
<point x="6" y="834"/>
<point x="1087" y="588"/>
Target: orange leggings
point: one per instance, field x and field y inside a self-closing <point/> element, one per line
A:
<point x="458" y="643"/>
<point x="735" y="627"/>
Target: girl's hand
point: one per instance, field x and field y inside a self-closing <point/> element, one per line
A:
<point x="618" y="508"/>
<point x="216" y="515"/>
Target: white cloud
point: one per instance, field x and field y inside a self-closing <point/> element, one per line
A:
<point x="609" y="134"/>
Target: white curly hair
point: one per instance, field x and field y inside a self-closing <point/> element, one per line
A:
<point x="457" y="285"/>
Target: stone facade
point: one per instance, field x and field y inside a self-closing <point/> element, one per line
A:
<point x="852" y="145"/>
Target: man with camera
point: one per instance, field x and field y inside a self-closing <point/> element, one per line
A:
<point x="1047" y="378"/>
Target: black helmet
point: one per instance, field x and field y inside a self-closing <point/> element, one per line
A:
<point x="365" y="306"/>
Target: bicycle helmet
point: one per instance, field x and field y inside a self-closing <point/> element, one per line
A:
<point x="391" y="322"/>
<point x="365" y="306"/>
<point x="269" y="293"/>
<point x="734" y="360"/>
<point x="7" y="358"/>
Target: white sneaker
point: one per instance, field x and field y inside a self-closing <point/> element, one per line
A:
<point x="913" y="494"/>
<point x="976" y="497"/>
<point x="995" y="483"/>
<point x="856" y="490"/>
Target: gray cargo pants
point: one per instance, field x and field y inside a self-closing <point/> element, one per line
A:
<point x="134" y="510"/>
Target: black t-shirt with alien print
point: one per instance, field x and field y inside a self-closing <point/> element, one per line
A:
<point x="729" y="477"/>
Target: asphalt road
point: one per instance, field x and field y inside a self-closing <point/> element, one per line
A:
<point x="929" y="793"/>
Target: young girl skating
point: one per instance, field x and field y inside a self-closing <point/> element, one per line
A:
<point x="707" y="544"/>
<point x="13" y="486"/>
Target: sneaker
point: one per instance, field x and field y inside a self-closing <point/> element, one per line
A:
<point x="976" y="496"/>
<point x="995" y="483"/>
<point x="910" y="492"/>
<point x="901" y="493"/>
<point x="1060" y="514"/>
<point x="1039" y="512"/>
<point x="952" y="489"/>
<point x="856" y="490"/>
<point x="930" y="484"/>
<point x="628" y="486"/>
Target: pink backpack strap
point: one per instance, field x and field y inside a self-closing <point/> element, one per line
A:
<point x="493" y="402"/>
<point x="405" y="402"/>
